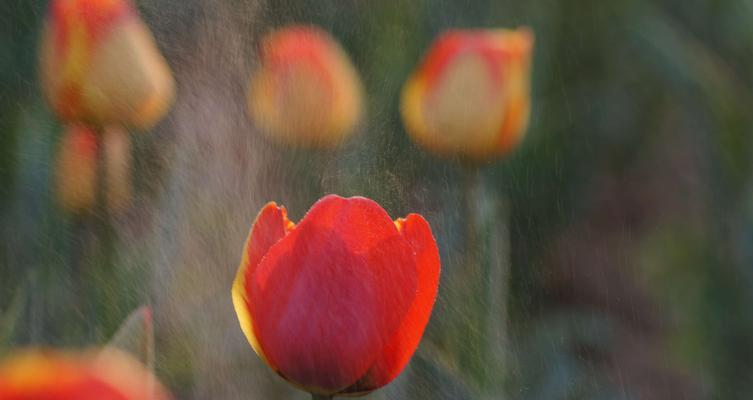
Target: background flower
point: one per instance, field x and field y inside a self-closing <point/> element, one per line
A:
<point x="99" y="64"/>
<point x="85" y="164"/>
<point x="306" y="90"/>
<point x="53" y="375"/>
<point x="471" y="94"/>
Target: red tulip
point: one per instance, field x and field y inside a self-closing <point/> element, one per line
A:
<point x="52" y="375"/>
<point x="306" y="91"/>
<point x="99" y="64"/>
<point x="338" y="303"/>
<point x="76" y="168"/>
<point x="471" y="95"/>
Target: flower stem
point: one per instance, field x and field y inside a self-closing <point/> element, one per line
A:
<point x="472" y="188"/>
<point x="319" y="397"/>
<point x="472" y="321"/>
<point x="102" y="301"/>
<point x="487" y="270"/>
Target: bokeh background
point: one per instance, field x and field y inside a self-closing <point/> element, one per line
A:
<point x="617" y="241"/>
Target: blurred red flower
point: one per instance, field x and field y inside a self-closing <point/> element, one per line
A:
<point x="306" y="91"/>
<point x="76" y="168"/>
<point x="471" y="95"/>
<point x="99" y="64"/>
<point x="338" y="303"/>
<point x="53" y="375"/>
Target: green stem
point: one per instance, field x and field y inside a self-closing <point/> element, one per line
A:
<point x="499" y="278"/>
<point x="320" y="397"/>
<point x="487" y="271"/>
<point x="78" y="255"/>
<point x="472" y="185"/>
<point x="472" y="319"/>
<point x="103" y="229"/>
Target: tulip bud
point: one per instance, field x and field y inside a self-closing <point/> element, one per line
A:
<point x="53" y="375"/>
<point x="99" y="64"/>
<point x="306" y="91"/>
<point x="338" y="303"/>
<point x="471" y="95"/>
<point x="76" y="169"/>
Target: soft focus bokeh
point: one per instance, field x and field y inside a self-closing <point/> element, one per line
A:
<point x="610" y="256"/>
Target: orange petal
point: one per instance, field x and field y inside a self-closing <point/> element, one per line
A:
<point x="270" y="226"/>
<point x="96" y="16"/>
<point x="128" y="80"/>
<point x="519" y="46"/>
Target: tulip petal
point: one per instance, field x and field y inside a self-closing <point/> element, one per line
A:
<point x="332" y="293"/>
<point x="398" y="351"/>
<point x="128" y="80"/>
<point x="270" y="226"/>
<point x="517" y="75"/>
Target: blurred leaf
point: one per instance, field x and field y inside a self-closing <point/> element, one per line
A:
<point x="9" y="319"/>
<point x="432" y="373"/>
<point x="136" y="336"/>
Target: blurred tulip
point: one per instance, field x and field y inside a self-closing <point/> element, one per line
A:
<point x="471" y="95"/>
<point x="99" y="64"/>
<point x="53" y="375"/>
<point x="76" y="169"/>
<point x="306" y="90"/>
<point x="337" y="304"/>
<point x="77" y="164"/>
